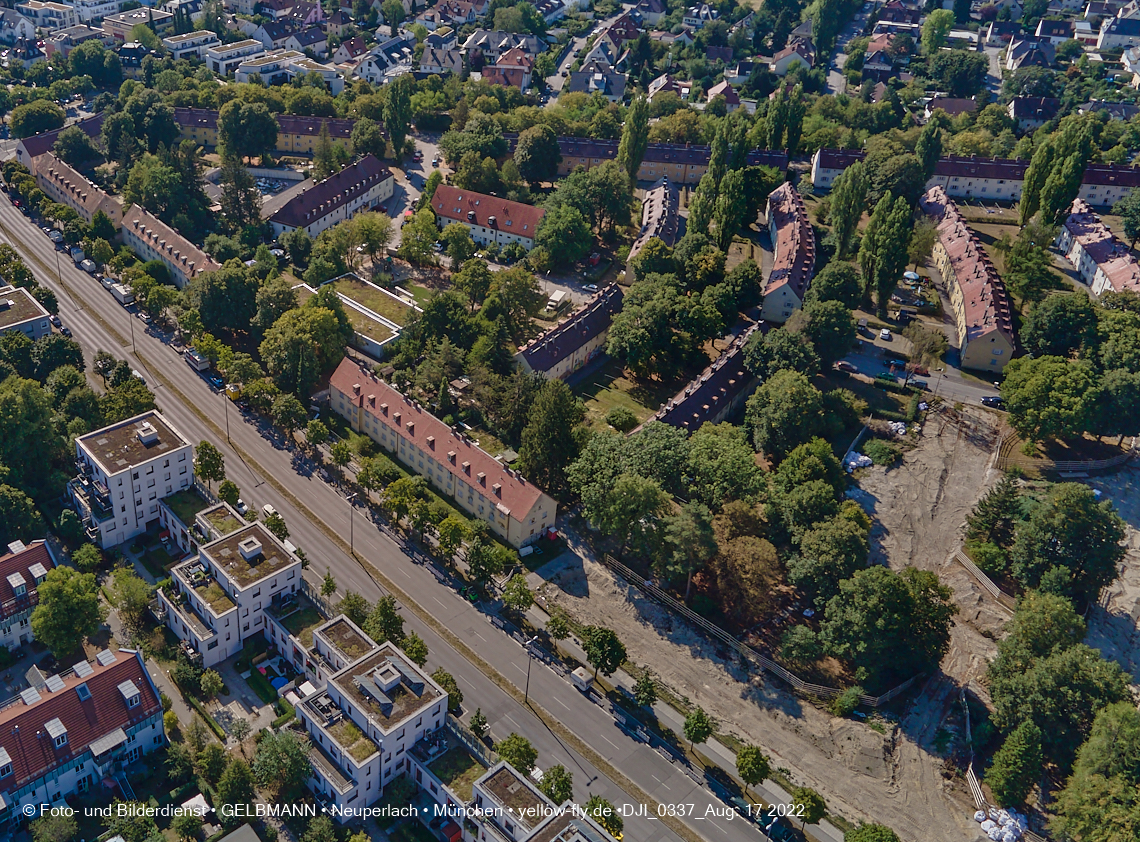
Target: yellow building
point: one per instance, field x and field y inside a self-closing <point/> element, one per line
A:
<point x="296" y="135"/>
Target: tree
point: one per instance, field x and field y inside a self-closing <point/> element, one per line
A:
<point x="1017" y="765"/>
<point x="281" y="764"/>
<point x="517" y="751"/>
<point x="246" y="130"/>
<point x="398" y="112"/>
<point x="450" y="534"/>
<point x="871" y="833"/>
<point x="730" y="208"/>
<point x="645" y="689"/>
<point x="74" y="147"/>
<point x="786" y="411"/>
<point x="367" y="138"/>
<point x="1059" y="325"/>
<point x="54" y="828"/>
<point x="328" y="585"/>
<point x="302" y="344"/>
<point x="40" y="115"/>
<point x="478" y="723"/>
<point x="830" y="327"/>
<point x="995" y="513"/>
<point x="833" y="550"/>
<point x="68" y="610"/>
<point x="935" y="29"/>
<point x="516" y="595"/>
<point x="240" y="729"/>
<point x="373" y="231"/>
<point x="604" y="651"/>
<point x="689" y="535"/>
<point x="454" y="695"/>
<point x="414" y="647"/>
<point x="548" y="444"/>
<point x="1049" y="397"/>
<point x="19" y="519"/>
<point x="882" y="621"/>
<point x="212" y="683"/>
<point x="837" y="282"/>
<point x="753" y="766"/>
<point x="634" y="137"/>
<point x="209" y="463"/>
<point x="1128" y="209"/>
<point x="603" y="812"/>
<point x="276" y="524"/>
<point x="228" y="492"/>
<point x="288" y="413"/>
<point x="565" y="235"/>
<point x="926" y="345"/>
<point x="384" y="623"/>
<point x="212" y="761"/>
<point x="557" y="784"/>
<point x="186" y="826"/>
<point x="814" y="807"/>
<point x="848" y="201"/>
<point x="632" y="509"/>
<point x="1071" y="544"/>
<point x="130" y="594"/>
<point x="537" y="154"/>
<point x="240" y="200"/>
<point x="235" y="787"/>
<point x="699" y="726"/>
<point x="883" y="252"/>
<point x="558" y="627"/>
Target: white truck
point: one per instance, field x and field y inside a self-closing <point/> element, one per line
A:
<point x="88" y="266"/>
<point x="582" y="679"/>
<point x="77" y="255"/>
<point x="123" y="294"/>
<point x="196" y="360"/>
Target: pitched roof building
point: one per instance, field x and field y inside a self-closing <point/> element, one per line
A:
<point x="152" y="239"/>
<point x="515" y="509"/>
<point x="598" y="76"/>
<point x="488" y="218"/>
<point x="660" y="216"/>
<point x="1032" y="112"/>
<point x="793" y="261"/>
<point x="1102" y="260"/>
<point x="359" y="186"/>
<point x="731" y="98"/>
<point x="30" y="148"/>
<point x="680" y="164"/>
<point x="68" y="187"/>
<point x="982" y="308"/>
<point x="22" y="569"/>
<point x="574" y="342"/>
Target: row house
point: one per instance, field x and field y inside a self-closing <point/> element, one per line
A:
<point x="22" y="570"/>
<point x="280" y="67"/>
<point x="660" y="216"/>
<point x="224" y="59"/>
<point x="296" y="134"/>
<point x="152" y="239"/>
<point x="224" y="595"/>
<point x="454" y="465"/>
<point x="493" y="43"/>
<point x="488" y="218"/>
<point x="124" y="470"/>
<point x="21" y="311"/>
<point x="334" y="644"/>
<point x="575" y="342"/>
<point x="716" y="394"/>
<point x="1102" y="261"/>
<point x="982" y="309"/>
<point x="360" y="186"/>
<point x="78" y="730"/>
<point x="66" y="186"/>
<point x="439" y="61"/>
<point x="793" y="258"/>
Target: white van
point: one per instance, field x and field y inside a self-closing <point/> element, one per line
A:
<point x="267" y="510"/>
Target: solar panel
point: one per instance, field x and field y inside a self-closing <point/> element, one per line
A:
<point x="30" y="696"/>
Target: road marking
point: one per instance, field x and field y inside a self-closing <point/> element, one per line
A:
<point x="611" y="742"/>
<point x="436" y="598"/>
<point x="562" y="703"/>
<point x="660" y="781"/>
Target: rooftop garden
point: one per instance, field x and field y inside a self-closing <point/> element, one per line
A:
<point x="374" y="298"/>
<point x="223" y="521"/>
<point x="213" y="595"/>
<point x="457" y="769"/>
<point x="301" y="623"/>
<point x="185" y="505"/>
<point x="352" y="740"/>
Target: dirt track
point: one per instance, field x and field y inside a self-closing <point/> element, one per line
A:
<point x="919" y="507"/>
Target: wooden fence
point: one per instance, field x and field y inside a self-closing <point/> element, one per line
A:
<point x="768" y="665"/>
<point x="985" y="581"/>
<point x="1007" y="458"/>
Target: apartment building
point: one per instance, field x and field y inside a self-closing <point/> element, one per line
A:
<point x="15" y="27"/>
<point x="67" y="186"/>
<point x="296" y="135"/>
<point x="793" y="260"/>
<point x="224" y="59"/>
<point x="1032" y="112"/>
<point x="20" y="310"/>
<point x="95" y="10"/>
<point x="982" y="309"/>
<point x="222" y="596"/>
<point x="124" y="469"/>
<point x="31" y="148"/>
<point x="152" y="239"/>
<point x="454" y="465"/>
<point x="1102" y="261"/>
<point x="363" y="723"/>
<point x="279" y="67"/>
<point x="335" y="644"/>
<point x="716" y="393"/>
<point x="119" y="26"/>
<point x="22" y="569"/>
<point x="680" y="164"/>
<point x="488" y="218"/>
<point x="48" y="16"/>
<point x="192" y="44"/>
<point x="84" y="726"/>
<point x="575" y="342"/>
<point x="360" y="186"/>
<point x="660" y="216"/>
<point x="65" y="40"/>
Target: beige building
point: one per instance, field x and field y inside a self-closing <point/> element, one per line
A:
<point x="119" y="26"/>
<point x="681" y="164"/>
<point x="982" y="309"/>
<point x="1102" y="261"/>
<point x="359" y="187"/>
<point x="152" y="239"/>
<point x="455" y="466"/>
<point x="568" y="346"/>
<point x="68" y="187"/>
<point x="793" y="260"/>
<point x="190" y="44"/>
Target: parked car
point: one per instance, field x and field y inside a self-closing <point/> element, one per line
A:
<point x="994" y="401"/>
<point x="843" y="365"/>
<point x="896" y="363"/>
<point x="595" y="259"/>
<point x="216" y="381"/>
<point x="55" y="321"/>
<point x="66" y="331"/>
<point x="884" y="375"/>
<point x="242" y="507"/>
<point x="923" y="370"/>
<point x="435" y="162"/>
<point x="885" y="334"/>
<point x="590" y="287"/>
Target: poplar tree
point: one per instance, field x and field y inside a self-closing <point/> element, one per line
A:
<point x="634" y="137"/>
<point x="848" y="199"/>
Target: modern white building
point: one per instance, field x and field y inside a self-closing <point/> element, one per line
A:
<point x="192" y="44"/>
<point x="81" y="728"/>
<point x="225" y="58"/>
<point x="22" y="569"/>
<point x="488" y="218"/>
<point x="19" y="310"/>
<point x="48" y="16"/>
<point x="1102" y="261"/>
<point x="124" y="470"/>
<point x="15" y="27"/>
<point x="221" y="597"/>
<point x="364" y="721"/>
<point x="358" y="187"/>
<point x="95" y="10"/>
<point x="278" y="67"/>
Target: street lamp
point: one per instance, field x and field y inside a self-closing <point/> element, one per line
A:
<point x="226" y="408"/>
<point x="351" y="506"/>
<point x="939" y="383"/>
<point x="529" y="658"/>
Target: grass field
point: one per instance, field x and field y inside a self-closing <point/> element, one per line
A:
<point x="610" y="386"/>
<point x="374" y="299"/>
<point x="457" y="769"/>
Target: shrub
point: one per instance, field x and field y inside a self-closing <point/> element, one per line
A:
<point x="881" y="452"/>
<point x="912" y="407"/>
<point x="845" y="703"/>
<point x="621" y="419"/>
<point x="988" y="556"/>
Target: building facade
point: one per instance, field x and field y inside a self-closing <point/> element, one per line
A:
<point x="20" y="310"/>
<point x="680" y="164"/>
<point x="48" y="16"/>
<point x="123" y="471"/>
<point x="22" y="569"/>
<point x="982" y="309"/>
<point x="82" y="727"/>
<point x="488" y="218"/>
<point x="119" y="26"/>
<point x="360" y="186"/>
<point x="192" y="44"/>
<point x="65" y="185"/>
<point x="454" y="465"/>
<point x="660" y="216"/>
<point x="224" y="59"/>
<point x="1102" y="261"/>
<point x="793" y="260"/>
<point x="152" y="239"/>
<point x="575" y="342"/>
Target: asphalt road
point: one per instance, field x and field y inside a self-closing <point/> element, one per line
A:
<point x="93" y="314"/>
<point x="873" y="358"/>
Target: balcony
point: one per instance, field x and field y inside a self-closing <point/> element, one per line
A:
<point x="181" y="609"/>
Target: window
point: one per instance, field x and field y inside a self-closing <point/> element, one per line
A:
<point x="5" y="770"/>
<point x="61" y="740"/>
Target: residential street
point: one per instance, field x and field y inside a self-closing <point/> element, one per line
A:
<point x="96" y="318"/>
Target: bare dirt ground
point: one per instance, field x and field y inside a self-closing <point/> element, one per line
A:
<point x="920" y="508"/>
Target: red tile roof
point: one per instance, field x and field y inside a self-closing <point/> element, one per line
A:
<point x="507" y="77"/>
<point x="478" y="209"/>
<point x="19" y="563"/>
<point x="32" y="751"/>
<point x="984" y="297"/>
<point x="1110" y="255"/>
<point x="794" y="259"/>
<point x="205" y="118"/>
<point x="461" y="456"/>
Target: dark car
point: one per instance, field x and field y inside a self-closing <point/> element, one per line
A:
<point x="216" y="381"/>
<point x="843" y="365"/>
<point x="994" y="401"/>
<point x="66" y="331"/>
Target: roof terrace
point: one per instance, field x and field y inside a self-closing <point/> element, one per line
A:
<point x="121" y="446"/>
<point x="387" y="687"/>
<point x="346" y="639"/>
<point x="249" y="555"/>
<point x="515" y="794"/>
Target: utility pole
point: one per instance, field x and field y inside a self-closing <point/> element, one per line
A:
<point x="351" y="505"/>
<point x="529" y="659"/>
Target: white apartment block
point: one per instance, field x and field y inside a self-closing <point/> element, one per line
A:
<point x="124" y="470"/>
<point x="1102" y="260"/>
<point x="95" y="10"/>
<point x="83" y="727"/>
<point x="278" y="67"/>
<point x="221" y="597"/>
<point x="21" y="571"/>
<point x="152" y="239"/>
<point x="225" y="58"/>
<point x="19" y="310"/>
<point x="488" y="218"/>
<point x="191" y="44"/>
<point x="363" y="723"/>
<point x="48" y="16"/>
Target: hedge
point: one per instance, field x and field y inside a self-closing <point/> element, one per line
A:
<point x="219" y="732"/>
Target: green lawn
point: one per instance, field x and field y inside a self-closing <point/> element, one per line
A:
<point x="411" y="831"/>
<point x="374" y="299"/>
<point x="610" y="387"/>
<point x="301" y="622"/>
<point x="223" y="521"/>
<point x="457" y="769"/>
<point x="185" y="504"/>
<point x="215" y="597"/>
<point x="261" y="686"/>
<point x="421" y="293"/>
